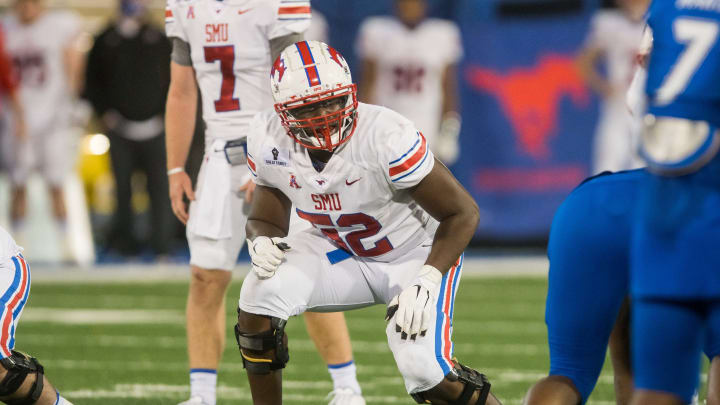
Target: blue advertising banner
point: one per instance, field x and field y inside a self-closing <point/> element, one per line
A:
<point x="528" y="118"/>
<point x="528" y="122"/>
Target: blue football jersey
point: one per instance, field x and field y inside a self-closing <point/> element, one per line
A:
<point x="683" y="89"/>
<point x="684" y="69"/>
<point x="589" y="252"/>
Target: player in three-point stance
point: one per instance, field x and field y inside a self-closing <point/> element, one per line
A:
<point x="22" y="378"/>
<point x="675" y="282"/>
<point x="389" y="227"/>
<point x="226" y="49"/>
<point x="588" y="284"/>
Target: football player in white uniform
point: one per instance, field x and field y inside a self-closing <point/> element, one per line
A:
<point x="400" y="72"/>
<point x="22" y="379"/>
<point x="390" y="223"/>
<point x="225" y="47"/>
<point x="614" y="39"/>
<point x="44" y="48"/>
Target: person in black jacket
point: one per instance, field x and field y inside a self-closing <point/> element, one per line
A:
<point x="126" y="82"/>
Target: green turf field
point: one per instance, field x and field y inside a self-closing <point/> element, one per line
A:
<point x="113" y="343"/>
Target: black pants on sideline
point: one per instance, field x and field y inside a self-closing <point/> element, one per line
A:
<point x="149" y="157"/>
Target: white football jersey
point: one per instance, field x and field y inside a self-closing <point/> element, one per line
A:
<point x="38" y="53"/>
<point x="360" y="199"/>
<point x="410" y="64"/>
<point x="318" y="30"/>
<point x="618" y="37"/>
<point x="230" y="51"/>
<point x="8" y="247"/>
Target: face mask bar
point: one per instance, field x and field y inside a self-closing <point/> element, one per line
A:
<point x="321" y="131"/>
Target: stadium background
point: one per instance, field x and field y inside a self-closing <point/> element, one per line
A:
<point x="528" y="119"/>
<point x="114" y="334"/>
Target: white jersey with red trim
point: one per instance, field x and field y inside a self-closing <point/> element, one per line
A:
<point x="8" y="247"/>
<point x="38" y="53"/>
<point x="410" y="66"/>
<point x="360" y="200"/>
<point x="230" y="51"/>
<point x="618" y="37"/>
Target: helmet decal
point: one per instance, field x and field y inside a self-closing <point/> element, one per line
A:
<point x="309" y="62"/>
<point x="334" y="55"/>
<point x="317" y="113"/>
<point x="278" y="66"/>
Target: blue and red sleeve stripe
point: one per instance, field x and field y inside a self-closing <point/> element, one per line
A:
<point x="251" y="165"/>
<point x="410" y="161"/>
<point x="308" y="60"/>
<point x="294" y="10"/>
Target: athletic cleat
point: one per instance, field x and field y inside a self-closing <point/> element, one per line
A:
<point x="345" y="396"/>
<point x="196" y="400"/>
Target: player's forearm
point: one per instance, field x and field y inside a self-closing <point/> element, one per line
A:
<point x="450" y="102"/>
<point x="75" y="69"/>
<point x="585" y="63"/>
<point x="451" y="238"/>
<point x="366" y="86"/>
<point x="15" y="104"/>
<point x="257" y="227"/>
<point x="179" y="127"/>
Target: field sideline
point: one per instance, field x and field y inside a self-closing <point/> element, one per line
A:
<point x="113" y="336"/>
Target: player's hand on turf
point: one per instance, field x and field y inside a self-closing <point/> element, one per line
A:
<point x="249" y="189"/>
<point x="266" y="254"/>
<point x="413" y="307"/>
<point x="180" y="186"/>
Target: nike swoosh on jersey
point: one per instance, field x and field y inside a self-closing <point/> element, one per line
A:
<point x="350" y="183"/>
<point x="244" y="11"/>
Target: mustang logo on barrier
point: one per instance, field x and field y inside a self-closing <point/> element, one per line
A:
<point x="530" y="97"/>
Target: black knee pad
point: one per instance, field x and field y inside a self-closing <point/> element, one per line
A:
<point x="473" y="380"/>
<point x="254" y="344"/>
<point x="18" y="366"/>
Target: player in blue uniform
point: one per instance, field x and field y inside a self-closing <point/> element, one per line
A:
<point x="588" y="282"/>
<point x="675" y="260"/>
<point x="589" y="250"/>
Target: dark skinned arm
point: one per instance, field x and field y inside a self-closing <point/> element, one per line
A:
<point x="450" y="90"/>
<point x="443" y="197"/>
<point x="368" y="76"/>
<point x="269" y="214"/>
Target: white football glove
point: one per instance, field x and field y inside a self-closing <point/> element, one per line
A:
<point x="415" y="304"/>
<point x="266" y="255"/>
<point x="447" y="144"/>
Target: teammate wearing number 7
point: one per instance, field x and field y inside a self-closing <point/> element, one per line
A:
<point x="225" y="48"/>
<point x="675" y="282"/>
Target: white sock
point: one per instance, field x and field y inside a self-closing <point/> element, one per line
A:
<point x="61" y="226"/>
<point x="18" y="226"/>
<point x="62" y="401"/>
<point x="344" y="376"/>
<point x="202" y="384"/>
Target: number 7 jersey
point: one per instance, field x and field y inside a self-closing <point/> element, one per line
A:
<point x="684" y="70"/>
<point x="361" y="199"/>
<point x="230" y="52"/>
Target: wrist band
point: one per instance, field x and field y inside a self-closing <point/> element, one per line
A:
<point x="175" y="170"/>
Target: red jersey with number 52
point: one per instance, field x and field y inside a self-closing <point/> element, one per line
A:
<point x="230" y="51"/>
<point x="360" y="199"/>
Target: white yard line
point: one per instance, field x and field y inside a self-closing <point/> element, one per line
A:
<point x="163" y="391"/>
<point x="384" y="375"/>
<point x="304" y="345"/>
<point x="496" y="266"/>
<point x="89" y="316"/>
<point x="146" y="391"/>
<point x="102" y="316"/>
